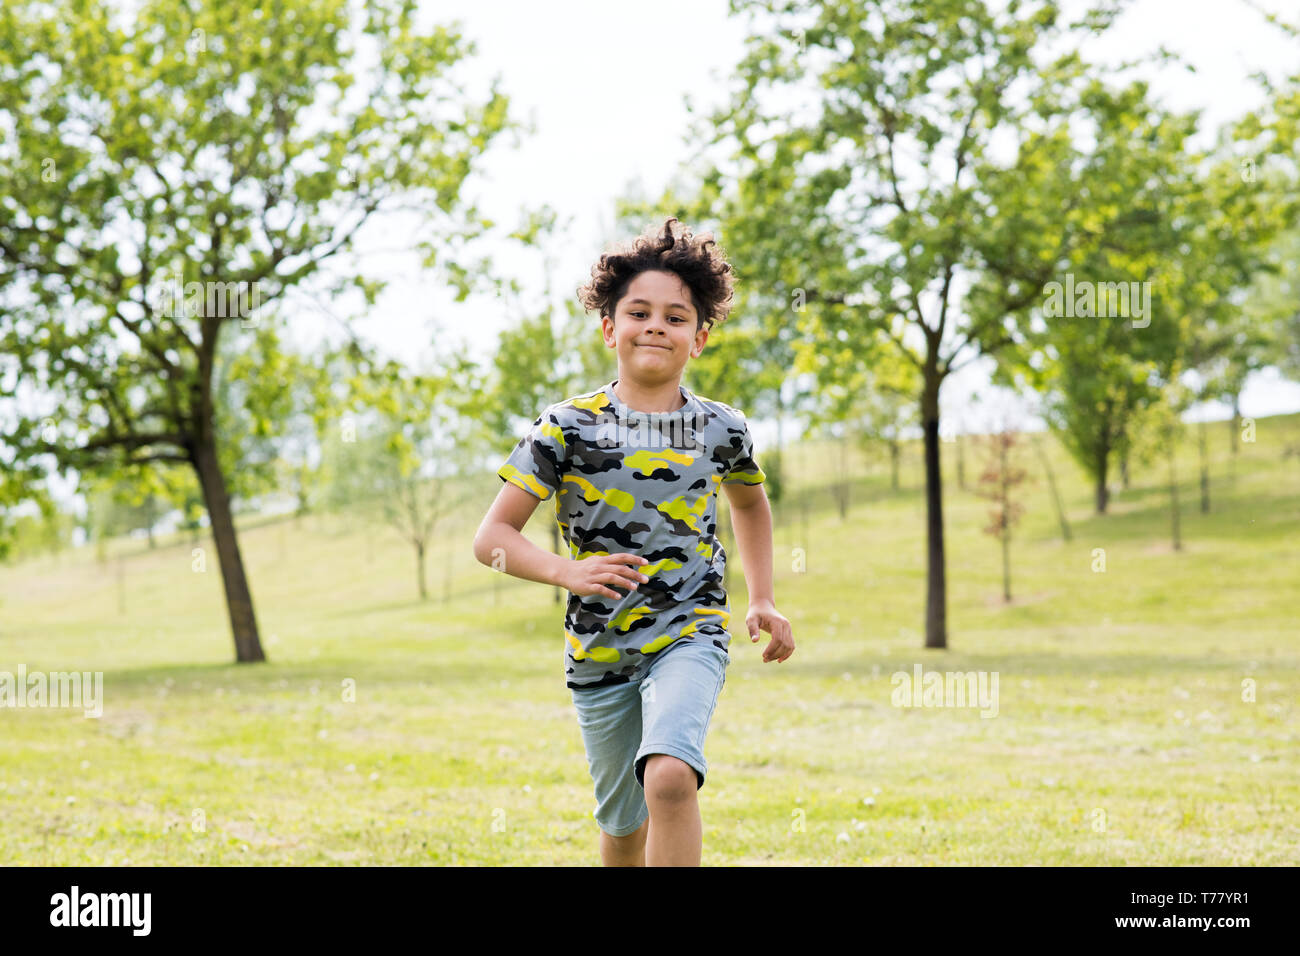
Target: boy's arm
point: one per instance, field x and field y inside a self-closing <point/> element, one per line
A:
<point x="751" y="516"/>
<point x="500" y="544"/>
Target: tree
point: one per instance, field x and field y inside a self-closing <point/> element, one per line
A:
<point x="998" y="483"/>
<point x="1193" y="234"/>
<point x="130" y="500"/>
<point x="1165" y="417"/>
<point x="1096" y="353"/>
<point x="1239" y="219"/>
<point x="875" y="404"/>
<point x="889" y="213"/>
<point x="404" y="454"/>
<point x="169" y="182"/>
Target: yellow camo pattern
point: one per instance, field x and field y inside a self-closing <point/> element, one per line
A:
<point x="614" y="497"/>
<point x="659" y="643"/>
<point x="605" y="655"/>
<point x="525" y="481"/>
<point x="648" y="462"/>
<point x="596" y="403"/>
<point x="687" y="513"/>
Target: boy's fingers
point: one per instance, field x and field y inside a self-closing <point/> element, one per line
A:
<point x="629" y="564"/>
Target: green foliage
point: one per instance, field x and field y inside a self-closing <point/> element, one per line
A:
<point x="201" y="140"/>
<point x="14" y="490"/>
<point x="245" y="151"/>
<point x="1273" y="306"/>
<point x="49" y="531"/>
<point x="1185" y="226"/>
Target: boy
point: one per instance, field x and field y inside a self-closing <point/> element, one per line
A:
<point x="634" y="468"/>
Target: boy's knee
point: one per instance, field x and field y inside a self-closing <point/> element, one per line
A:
<point x="669" y="779"/>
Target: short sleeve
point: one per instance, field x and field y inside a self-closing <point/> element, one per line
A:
<point x="537" y="462"/>
<point x="744" y="469"/>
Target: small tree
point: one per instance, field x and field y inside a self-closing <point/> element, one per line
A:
<point x="998" y="483"/>
<point x="1167" y="425"/>
<point x="402" y="460"/>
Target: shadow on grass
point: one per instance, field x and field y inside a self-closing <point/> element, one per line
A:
<point x="298" y="673"/>
<point x="1229" y="517"/>
<point x="1023" y="666"/>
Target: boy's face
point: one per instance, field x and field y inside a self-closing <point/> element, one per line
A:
<point x="655" y="329"/>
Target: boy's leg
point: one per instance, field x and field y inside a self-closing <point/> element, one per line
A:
<point x="610" y="720"/>
<point x="678" y="697"/>
<point x="626" y="850"/>
<point x="676" y="833"/>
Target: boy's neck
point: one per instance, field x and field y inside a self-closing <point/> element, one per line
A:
<point x="650" y="399"/>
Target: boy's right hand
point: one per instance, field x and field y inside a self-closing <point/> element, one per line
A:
<point x="592" y="575"/>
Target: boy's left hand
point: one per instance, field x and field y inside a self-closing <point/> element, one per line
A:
<point x="763" y="615"/>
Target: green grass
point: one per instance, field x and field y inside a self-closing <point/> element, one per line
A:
<point x="1120" y="693"/>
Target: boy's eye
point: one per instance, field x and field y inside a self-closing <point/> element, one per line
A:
<point x="676" y="318"/>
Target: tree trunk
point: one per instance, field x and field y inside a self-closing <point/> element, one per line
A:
<point x="1103" y="496"/>
<point x="1123" y="471"/>
<point x="1006" y="563"/>
<point x="1235" y="424"/>
<point x="1056" y="494"/>
<point x="1205" y="467"/>
<point x="1004" y="477"/>
<point x="936" y="607"/>
<point x="894" y="452"/>
<point x="419" y="569"/>
<point x="239" y="602"/>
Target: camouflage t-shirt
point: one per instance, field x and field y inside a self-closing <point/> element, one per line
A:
<point x="644" y="483"/>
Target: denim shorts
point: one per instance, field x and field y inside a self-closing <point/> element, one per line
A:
<point x="666" y="712"/>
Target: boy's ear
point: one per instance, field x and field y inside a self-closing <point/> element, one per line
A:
<point x="699" y="343"/>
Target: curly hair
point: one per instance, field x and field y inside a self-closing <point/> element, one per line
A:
<point x="703" y="270"/>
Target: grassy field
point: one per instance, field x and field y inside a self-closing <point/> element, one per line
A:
<point x="1121" y="737"/>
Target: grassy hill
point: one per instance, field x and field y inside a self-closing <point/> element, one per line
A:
<point x="1121" y="735"/>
